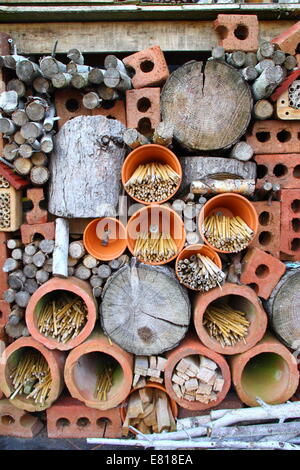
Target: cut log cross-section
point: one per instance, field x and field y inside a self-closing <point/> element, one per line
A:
<point x="144" y="309"/>
<point x="209" y="106"/>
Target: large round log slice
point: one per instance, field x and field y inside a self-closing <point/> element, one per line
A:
<point x="144" y="309"/>
<point x="209" y="105"/>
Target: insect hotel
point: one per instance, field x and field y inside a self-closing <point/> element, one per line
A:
<point x="149" y="225"/>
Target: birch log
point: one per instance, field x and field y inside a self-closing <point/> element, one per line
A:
<point x="85" y="178"/>
<point x="61" y="247"/>
<point x="211" y="186"/>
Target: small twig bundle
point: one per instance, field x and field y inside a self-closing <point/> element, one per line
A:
<point x="63" y="318"/>
<point x="227" y="233"/>
<point x="31" y="377"/>
<point x="104" y="382"/>
<point x="226" y="324"/>
<point x="200" y="273"/>
<point x="155" y="247"/>
<point x="152" y="182"/>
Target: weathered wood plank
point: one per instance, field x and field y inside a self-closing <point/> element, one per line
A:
<point x="108" y="36"/>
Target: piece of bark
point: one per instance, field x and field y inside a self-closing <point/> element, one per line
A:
<point x="39" y="175"/>
<point x="263" y="109"/>
<point x="46" y="246"/>
<point x="18" y="86"/>
<point x="91" y="100"/>
<point x="42" y="276"/>
<point x="72" y="261"/>
<point x="22" y="298"/>
<point x="31" y="286"/>
<point x="42" y="85"/>
<point x="206" y="127"/>
<point x="19" y="117"/>
<point x="134" y="139"/>
<point x="30" y="270"/>
<point x="85" y="180"/>
<point x="82" y="272"/>
<point x="50" y="66"/>
<point x="76" y="249"/>
<point x="139" y="292"/>
<point x="60" y="252"/>
<point x="163" y="134"/>
<point x="104" y="271"/>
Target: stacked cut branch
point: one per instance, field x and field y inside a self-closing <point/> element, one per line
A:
<point x="189" y="209"/>
<point x="148" y="368"/>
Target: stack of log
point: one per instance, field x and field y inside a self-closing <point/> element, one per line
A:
<point x="197" y="379"/>
<point x="149" y="411"/>
<point x="150" y="368"/>
<point x="189" y="209"/>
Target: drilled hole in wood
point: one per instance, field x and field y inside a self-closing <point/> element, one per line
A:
<point x="280" y="170"/>
<point x="295" y="245"/>
<point x="296" y="225"/>
<point x="7" y="420"/>
<point x="265" y="238"/>
<point x="263" y="136"/>
<point x="284" y="136"/>
<point x="262" y="171"/>
<point x="222" y="32"/>
<point x="143" y="105"/>
<point x="295" y="206"/>
<point x="241" y="32"/>
<point x="296" y="171"/>
<point x="72" y="105"/>
<point x="62" y="423"/>
<point x="264" y="218"/>
<point x="102" y="422"/>
<point x="83" y="422"/>
<point x="287" y="113"/>
<point x="282" y="101"/>
<point x="147" y="66"/>
<point x="262" y="271"/>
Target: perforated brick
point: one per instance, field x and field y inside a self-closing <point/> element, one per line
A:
<point x="237" y="32"/>
<point x="290" y="225"/>
<point x="143" y="107"/>
<point x="36" y="215"/>
<point x="29" y="231"/>
<point x="17" y="423"/>
<point x="270" y="137"/>
<point x="150" y="67"/>
<point x="289" y="40"/>
<point x="283" y="169"/>
<point x="268" y="233"/>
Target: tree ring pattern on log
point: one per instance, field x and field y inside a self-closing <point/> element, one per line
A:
<point x="209" y="106"/>
<point x="144" y="309"/>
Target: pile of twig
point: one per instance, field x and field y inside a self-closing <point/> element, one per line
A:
<point x="200" y="273"/>
<point x="155" y="247"/>
<point x="230" y="234"/>
<point x="104" y="382"/>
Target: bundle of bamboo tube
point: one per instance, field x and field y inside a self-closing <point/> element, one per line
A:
<point x="155" y="247"/>
<point x="31" y="377"/>
<point x="152" y="182"/>
<point x="227" y="233"/>
<point x="200" y="273"/>
<point x="63" y="318"/>
<point x="226" y="324"/>
<point x="104" y="382"/>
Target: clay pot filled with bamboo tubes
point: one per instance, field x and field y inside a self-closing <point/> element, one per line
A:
<point x="61" y="313"/>
<point x="199" y="268"/>
<point x="230" y="320"/>
<point x="31" y="375"/>
<point x="147" y="397"/>
<point x="151" y="174"/>
<point x="98" y="372"/>
<point x="155" y="235"/>
<point x="228" y="223"/>
<point x="105" y="238"/>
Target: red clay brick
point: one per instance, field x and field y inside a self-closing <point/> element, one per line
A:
<point x="270" y="137"/>
<point x="289" y="39"/>
<point x="283" y="169"/>
<point x="150" y="67"/>
<point x="68" y="103"/>
<point x="4" y="312"/>
<point x="290" y="225"/>
<point x="17" y="423"/>
<point x="237" y="32"/>
<point x="3" y="256"/>
<point x="13" y="178"/>
<point x="261" y="269"/>
<point x="36" y="215"/>
<point x="46" y="230"/>
<point x="116" y="112"/>
<point x="268" y="233"/>
<point x="143" y="104"/>
<point x="69" y="418"/>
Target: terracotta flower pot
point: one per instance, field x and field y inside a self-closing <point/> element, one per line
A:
<point x="94" y="232"/>
<point x="147" y="154"/>
<point x="172" y="403"/>
<point x="81" y="371"/>
<point x="268" y="371"/>
<point x="167" y="220"/>
<point x="73" y="285"/>
<point x="230" y="205"/>
<point x="191" y="346"/>
<point x="193" y="250"/>
<point x="11" y="356"/>
<point x="245" y="299"/>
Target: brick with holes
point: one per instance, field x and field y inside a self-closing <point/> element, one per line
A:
<point x="267" y="237"/>
<point x="28" y="232"/>
<point x="117" y="111"/>
<point x="36" y="215"/>
<point x="150" y="67"/>
<point x="261" y="269"/>
<point x="17" y="423"/>
<point x="237" y="32"/>
<point x="68" y="103"/>
<point x="290" y="224"/>
<point x="70" y="418"/>
<point x="274" y="137"/>
<point x="142" y="107"/>
<point x="279" y="168"/>
<point x="289" y="39"/>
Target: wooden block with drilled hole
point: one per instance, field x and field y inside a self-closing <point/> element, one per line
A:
<point x="284" y="110"/>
